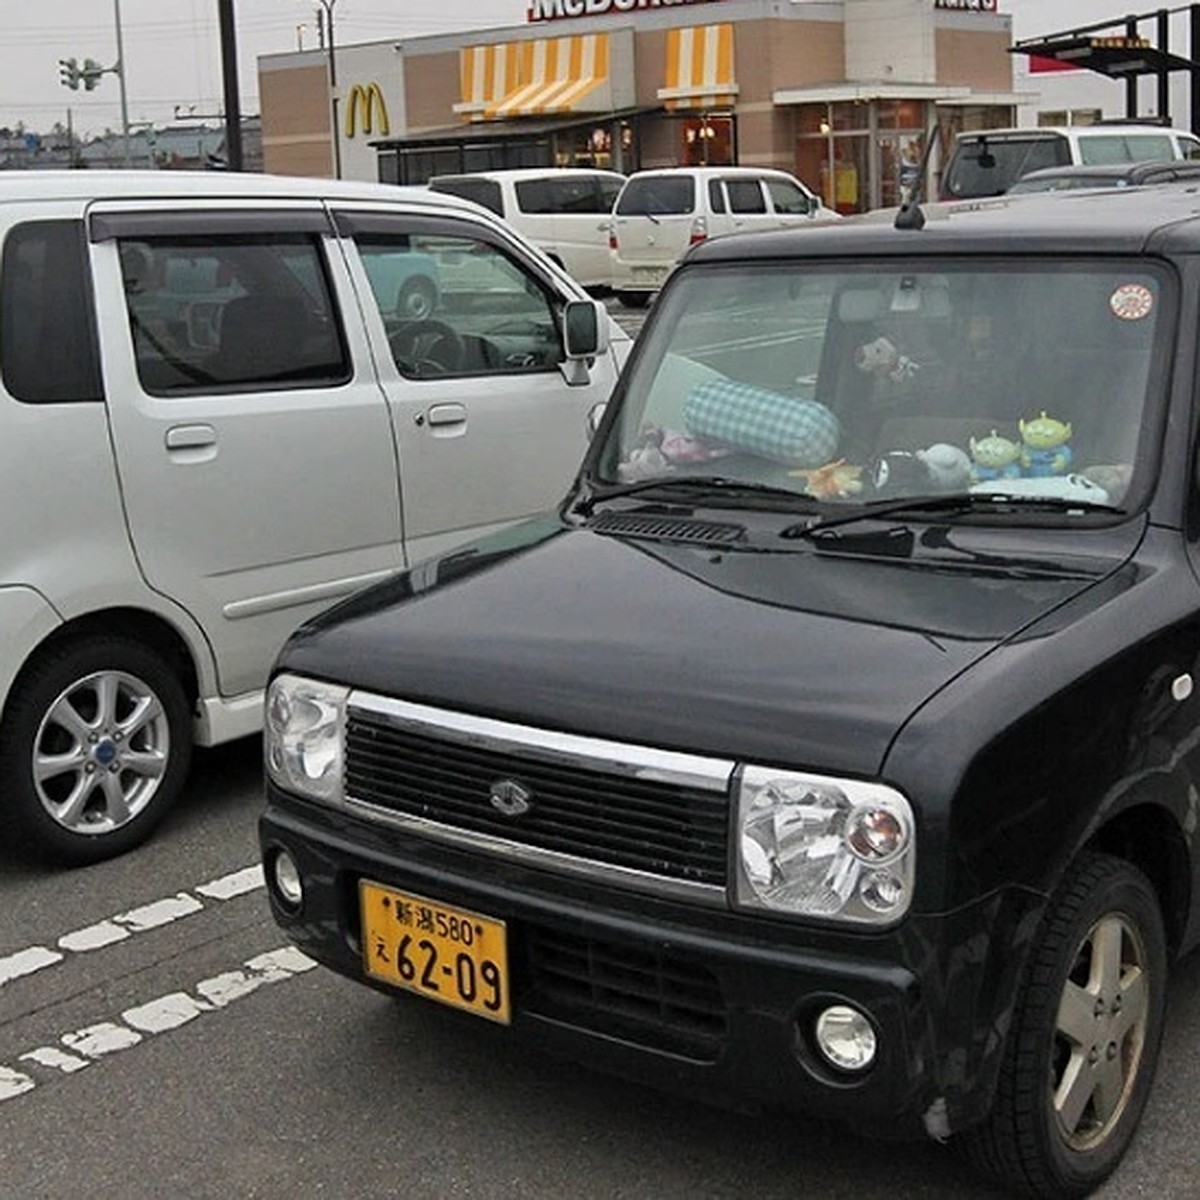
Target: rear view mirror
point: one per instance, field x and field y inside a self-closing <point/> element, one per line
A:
<point x="585" y="329"/>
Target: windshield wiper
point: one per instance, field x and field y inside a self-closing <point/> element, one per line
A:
<point x="950" y="502"/>
<point x="692" y="485"/>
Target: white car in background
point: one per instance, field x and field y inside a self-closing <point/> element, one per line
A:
<point x="660" y="213"/>
<point x="562" y="210"/>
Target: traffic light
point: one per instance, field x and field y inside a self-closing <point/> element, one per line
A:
<point x="69" y="73"/>
<point x="90" y="72"/>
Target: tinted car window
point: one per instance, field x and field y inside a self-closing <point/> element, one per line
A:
<point x="991" y="166"/>
<point x="658" y="195"/>
<point x="1102" y="148"/>
<point x="45" y="308"/>
<point x="482" y="191"/>
<point x="610" y="189"/>
<point x="716" y="196"/>
<point x="788" y="197"/>
<point x="571" y="195"/>
<point x="237" y="313"/>
<point x="746" y="196"/>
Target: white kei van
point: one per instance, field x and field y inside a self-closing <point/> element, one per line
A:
<point x="563" y="210"/>
<point x="659" y="213"/>
<point x="227" y="401"/>
<point x="988" y="162"/>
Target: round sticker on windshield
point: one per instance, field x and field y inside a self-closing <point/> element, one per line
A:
<point x="1131" y="301"/>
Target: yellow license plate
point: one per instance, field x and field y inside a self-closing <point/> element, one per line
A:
<point x="448" y="954"/>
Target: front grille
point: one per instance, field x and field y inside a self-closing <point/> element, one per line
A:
<point x="621" y="818"/>
<point x="645" y="995"/>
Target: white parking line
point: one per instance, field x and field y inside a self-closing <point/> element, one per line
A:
<point x="85" y="1046"/>
<point x="126" y="924"/>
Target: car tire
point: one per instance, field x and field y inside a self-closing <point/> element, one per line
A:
<point x="1079" y="1062"/>
<point x="417" y="299"/>
<point x="94" y="749"/>
<point x="633" y="299"/>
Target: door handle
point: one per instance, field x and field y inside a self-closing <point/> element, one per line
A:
<point x="190" y="437"/>
<point x="447" y="414"/>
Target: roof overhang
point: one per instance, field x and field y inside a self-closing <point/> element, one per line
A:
<point x="1116" y="57"/>
<point x="1009" y="99"/>
<point x="840" y="92"/>
<point x="490" y="131"/>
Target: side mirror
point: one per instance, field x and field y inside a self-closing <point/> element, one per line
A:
<point x="585" y="329"/>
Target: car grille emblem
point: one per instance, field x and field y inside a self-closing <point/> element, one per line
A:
<point x="510" y="798"/>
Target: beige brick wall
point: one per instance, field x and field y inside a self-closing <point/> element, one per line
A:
<point x="979" y="60"/>
<point x="295" y="121"/>
<point x="431" y="89"/>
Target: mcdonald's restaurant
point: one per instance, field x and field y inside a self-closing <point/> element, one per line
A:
<point x="842" y="94"/>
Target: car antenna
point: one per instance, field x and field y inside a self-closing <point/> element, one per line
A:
<point x="909" y="215"/>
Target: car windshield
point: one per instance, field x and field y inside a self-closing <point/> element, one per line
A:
<point x="990" y="166"/>
<point x="849" y="386"/>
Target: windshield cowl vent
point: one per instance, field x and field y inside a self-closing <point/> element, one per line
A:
<point x="660" y="528"/>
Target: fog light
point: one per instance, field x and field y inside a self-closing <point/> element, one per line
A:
<point x="286" y="876"/>
<point x="846" y="1038"/>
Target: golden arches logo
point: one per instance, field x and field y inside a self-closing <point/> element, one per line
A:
<point x="362" y="105"/>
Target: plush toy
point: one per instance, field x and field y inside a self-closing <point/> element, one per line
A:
<point x="881" y="359"/>
<point x="949" y="467"/>
<point x="644" y="462"/>
<point x="1046" y="449"/>
<point x="832" y="480"/>
<point x="995" y="457"/>
<point x="1112" y="477"/>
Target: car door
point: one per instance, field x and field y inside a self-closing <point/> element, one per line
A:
<point x="488" y="428"/>
<point x="747" y="201"/>
<point x="254" y="448"/>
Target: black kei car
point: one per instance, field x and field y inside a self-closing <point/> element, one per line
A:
<point x="835" y="744"/>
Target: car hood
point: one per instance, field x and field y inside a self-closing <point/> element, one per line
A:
<point x="801" y="656"/>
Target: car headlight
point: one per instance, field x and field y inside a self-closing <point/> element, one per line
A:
<point x="304" y="727"/>
<point x="816" y="847"/>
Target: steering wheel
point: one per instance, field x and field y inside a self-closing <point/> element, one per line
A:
<point x="424" y="348"/>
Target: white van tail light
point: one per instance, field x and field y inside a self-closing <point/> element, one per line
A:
<point x="699" y="231"/>
<point x="612" y="238"/>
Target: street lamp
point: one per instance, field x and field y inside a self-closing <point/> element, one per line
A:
<point x="328" y="6"/>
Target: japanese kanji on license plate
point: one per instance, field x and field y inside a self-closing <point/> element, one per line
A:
<point x="448" y="954"/>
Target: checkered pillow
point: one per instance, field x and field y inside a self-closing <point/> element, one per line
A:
<point x="801" y="433"/>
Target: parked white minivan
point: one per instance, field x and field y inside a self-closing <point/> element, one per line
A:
<point x="564" y="210"/>
<point x="659" y="213"/>
<point x="227" y="401"/>
<point x="988" y="162"/>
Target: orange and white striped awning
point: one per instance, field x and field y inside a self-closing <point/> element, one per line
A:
<point x="488" y="74"/>
<point x="548" y="75"/>
<point x="699" y="68"/>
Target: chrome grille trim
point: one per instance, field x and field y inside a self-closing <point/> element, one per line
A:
<point x="637" y="763"/>
<point x="618" y="758"/>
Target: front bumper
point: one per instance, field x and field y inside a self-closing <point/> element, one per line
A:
<point x="711" y="1003"/>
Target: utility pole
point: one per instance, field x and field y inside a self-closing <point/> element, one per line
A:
<point x="327" y="5"/>
<point x="233" y="112"/>
<point x="120" y="72"/>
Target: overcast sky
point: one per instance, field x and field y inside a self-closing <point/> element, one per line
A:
<point x="173" y="56"/>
